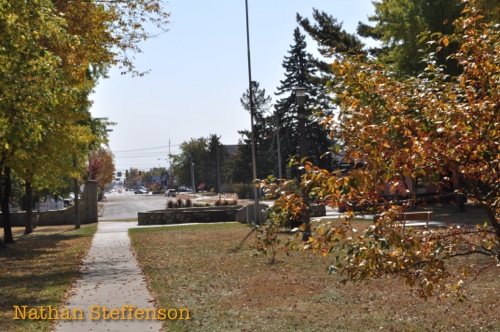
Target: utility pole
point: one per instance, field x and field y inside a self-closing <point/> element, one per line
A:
<point x="252" y="115"/>
<point x="192" y="171"/>
<point x="218" y="169"/>
<point x="171" y="178"/>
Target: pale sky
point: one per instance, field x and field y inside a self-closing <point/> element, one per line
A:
<point x="199" y="72"/>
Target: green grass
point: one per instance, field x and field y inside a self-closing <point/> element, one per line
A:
<point x="38" y="270"/>
<point x="225" y="289"/>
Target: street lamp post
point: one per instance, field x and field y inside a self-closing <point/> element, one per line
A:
<point x="192" y="179"/>
<point x="252" y="114"/>
<point x="300" y="94"/>
<point x="278" y="142"/>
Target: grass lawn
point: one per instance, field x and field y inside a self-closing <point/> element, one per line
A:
<point x="199" y="268"/>
<point x="38" y="270"/>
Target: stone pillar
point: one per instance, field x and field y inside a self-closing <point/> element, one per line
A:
<point x="88" y="209"/>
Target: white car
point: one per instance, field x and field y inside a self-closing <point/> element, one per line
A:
<point x="170" y="193"/>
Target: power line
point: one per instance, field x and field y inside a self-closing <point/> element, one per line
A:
<point x="142" y="149"/>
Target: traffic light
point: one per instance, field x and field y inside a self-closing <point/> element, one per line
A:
<point x="126" y="173"/>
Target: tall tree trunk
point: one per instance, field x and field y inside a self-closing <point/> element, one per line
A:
<point x="28" y="227"/>
<point x="5" y="192"/>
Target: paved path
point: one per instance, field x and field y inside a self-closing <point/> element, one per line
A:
<point x="112" y="278"/>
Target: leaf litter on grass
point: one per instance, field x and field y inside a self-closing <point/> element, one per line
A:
<point x="195" y="268"/>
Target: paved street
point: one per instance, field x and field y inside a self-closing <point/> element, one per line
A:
<point x="125" y="206"/>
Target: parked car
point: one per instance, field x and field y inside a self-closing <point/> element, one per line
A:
<point x="140" y="191"/>
<point x="170" y="193"/>
<point x="183" y="189"/>
<point x="67" y="202"/>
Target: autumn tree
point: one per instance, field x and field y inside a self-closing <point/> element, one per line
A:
<point x="27" y="73"/>
<point x="102" y="167"/>
<point x="427" y="126"/>
<point x="53" y="53"/>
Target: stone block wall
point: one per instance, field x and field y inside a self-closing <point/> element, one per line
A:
<point x="188" y="215"/>
<point x="88" y="211"/>
<point x="208" y="214"/>
<point x="317" y="210"/>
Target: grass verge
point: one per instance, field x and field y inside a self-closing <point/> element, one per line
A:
<point x="38" y="270"/>
<point x="198" y="268"/>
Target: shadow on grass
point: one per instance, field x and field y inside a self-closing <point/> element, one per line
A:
<point x="38" y="269"/>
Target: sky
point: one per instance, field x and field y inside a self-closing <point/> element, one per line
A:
<point x="199" y="71"/>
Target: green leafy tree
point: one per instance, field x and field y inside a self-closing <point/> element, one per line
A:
<point x="424" y="126"/>
<point x="210" y="160"/>
<point x="401" y="24"/>
<point x="192" y="152"/>
<point x="216" y="154"/>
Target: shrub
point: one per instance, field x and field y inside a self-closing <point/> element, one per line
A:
<point x="179" y="202"/>
<point x="244" y="190"/>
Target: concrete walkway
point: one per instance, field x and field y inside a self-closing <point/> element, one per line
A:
<point x="110" y="278"/>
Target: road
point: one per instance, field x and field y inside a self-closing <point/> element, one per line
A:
<point x="126" y="205"/>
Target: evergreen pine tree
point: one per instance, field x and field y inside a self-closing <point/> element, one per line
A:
<point x="327" y="32"/>
<point x="300" y="72"/>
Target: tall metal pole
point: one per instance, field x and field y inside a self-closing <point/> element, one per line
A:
<point x="192" y="179"/>
<point x="171" y="177"/>
<point x="280" y="173"/>
<point x="192" y="170"/>
<point x="218" y="169"/>
<point x="252" y="111"/>
<point x="306" y="216"/>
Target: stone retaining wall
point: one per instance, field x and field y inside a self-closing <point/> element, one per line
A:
<point x="189" y="215"/>
<point x="87" y="209"/>
<point x="205" y="214"/>
<point x="317" y="210"/>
